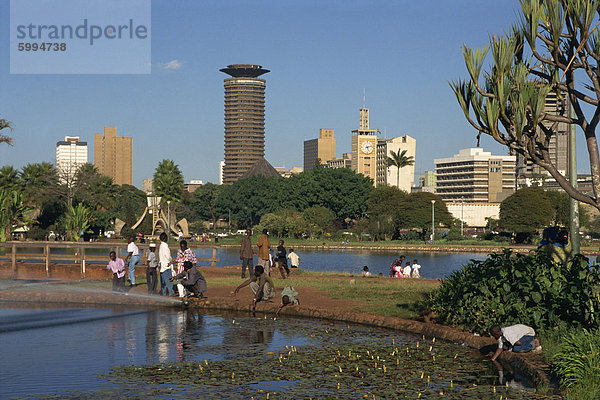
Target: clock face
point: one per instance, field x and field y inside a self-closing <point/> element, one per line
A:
<point x="367" y="147"/>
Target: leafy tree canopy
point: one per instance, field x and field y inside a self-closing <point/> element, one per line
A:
<point x="526" y="210"/>
<point x="249" y="199"/>
<point x="415" y="211"/>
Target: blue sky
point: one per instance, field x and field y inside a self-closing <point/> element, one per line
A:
<point x="322" y="55"/>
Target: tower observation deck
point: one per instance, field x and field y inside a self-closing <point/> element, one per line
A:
<point x="244" y="119"/>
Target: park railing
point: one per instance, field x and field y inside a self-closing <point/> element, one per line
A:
<point x="80" y="254"/>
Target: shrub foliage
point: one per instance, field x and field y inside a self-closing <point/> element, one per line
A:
<point x="526" y="289"/>
<point x="577" y="363"/>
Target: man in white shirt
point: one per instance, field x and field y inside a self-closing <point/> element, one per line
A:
<point x="166" y="271"/>
<point x="517" y="338"/>
<point x="133" y="257"/>
<point x="294" y="259"/>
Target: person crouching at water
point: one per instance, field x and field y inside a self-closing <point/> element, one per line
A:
<point x="517" y="338"/>
<point x="288" y="297"/>
<point x="117" y="266"/>
<point x="183" y="254"/>
<point x="261" y="285"/>
<point x="192" y="280"/>
<point x="366" y="271"/>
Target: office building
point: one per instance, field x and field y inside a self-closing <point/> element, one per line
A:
<point x="427" y="179"/>
<point x="389" y="175"/>
<point x="529" y="173"/>
<point x="364" y="147"/>
<point x="192" y="186"/>
<point x="345" y="161"/>
<point x="244" y="119"/>
<point x="475" y="176"/>
<point x="287" y="173"/>
<point x="113" y="156"/>
<point x="474" y="215"/>
<point x="319" y="150"/>
<point x="70" y="155"/>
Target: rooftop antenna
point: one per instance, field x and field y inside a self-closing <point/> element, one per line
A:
<point x="364" y="99"/>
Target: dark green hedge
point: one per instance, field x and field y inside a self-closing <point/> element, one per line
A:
<point x="526" y="289"/>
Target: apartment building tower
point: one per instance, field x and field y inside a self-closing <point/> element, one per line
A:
<point x="528" y="172"/>
<point x="71" y="154"/>
<point x="404" y="178"/>
<point x="113" y="156"/>
<point x="320" y="150"/>
<point x="244" y="119"/>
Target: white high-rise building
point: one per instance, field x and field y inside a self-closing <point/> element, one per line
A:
<point x="221" y="168"/>
<point x="70" y="155"/>
<point x="403" y="179"/>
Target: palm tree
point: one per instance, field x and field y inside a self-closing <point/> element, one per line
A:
<point x="168" y="181"/>
<point x="12" y="212"/>
<point x="399" y="160"/>
<point x="39" y="181"/>
<point x="77" y="220"/>
<point x="4" y="124"/>
<point x="9" y="178"/>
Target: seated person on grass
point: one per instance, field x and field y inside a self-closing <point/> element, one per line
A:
<point x="261" y="285"/>
<point x="517" y="338"/>
<point x="192" y="280"/>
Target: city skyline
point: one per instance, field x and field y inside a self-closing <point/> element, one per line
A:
<point x="316" y="81"/>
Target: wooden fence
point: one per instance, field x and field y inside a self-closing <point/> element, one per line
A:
<point x="75" y="253"/>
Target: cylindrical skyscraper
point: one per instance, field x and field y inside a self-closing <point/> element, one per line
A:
<point x="244" y="119"/>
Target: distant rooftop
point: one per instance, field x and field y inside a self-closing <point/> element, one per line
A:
<point x="244" y="70"/>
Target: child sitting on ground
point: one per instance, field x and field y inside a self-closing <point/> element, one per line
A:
<point x="406" y="271"/>
<point x="398" y="271"/>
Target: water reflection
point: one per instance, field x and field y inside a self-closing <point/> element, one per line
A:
<point x="506" y="377"/>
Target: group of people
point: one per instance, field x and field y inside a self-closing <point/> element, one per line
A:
<point x="398" y="269"/>
<point x="190" y="281"/>
<point x="260" y="281"/>
<point x="266" y="258"/>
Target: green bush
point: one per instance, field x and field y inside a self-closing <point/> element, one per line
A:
<point x="527" y="289"/>
<point x="577" y="364"/>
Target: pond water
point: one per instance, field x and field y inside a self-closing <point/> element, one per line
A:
<point x="434" y="265"/>
<point x="112" y="353"/>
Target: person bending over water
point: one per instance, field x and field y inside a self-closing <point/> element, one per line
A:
<point x="517" y="338"/>
<point x="261" y="285"/>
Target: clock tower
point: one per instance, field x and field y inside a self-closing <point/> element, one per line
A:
<point x="364" y="147"/>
